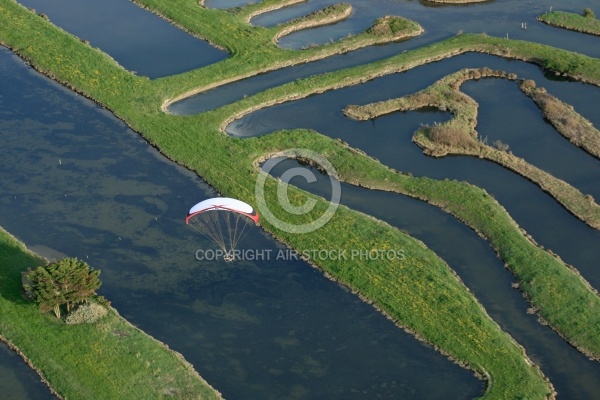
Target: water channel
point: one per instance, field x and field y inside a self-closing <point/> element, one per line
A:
<point x="495" y="18"/>
<point x="272" y="329"/>
<point x="573" y="375"/>
<point x="17" y="380"/>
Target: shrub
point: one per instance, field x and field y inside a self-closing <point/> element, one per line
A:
<point x="501" y="146"/>
<point x="387" y="26"/>
<point x="527" y="84"/>
<point x="449" y="136"/>
<point x="66" y="282"/>
<point x="588" y="13"/>
<point x="86" y="313"/>
<point x="566" y="66"/>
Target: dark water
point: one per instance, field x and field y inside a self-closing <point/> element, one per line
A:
<point x="530" y="136"/>
<point x="137" y="39"/>
<point x="76" y="181"/>
<point x="17" y="380"/>
<point x="496" y="18"/>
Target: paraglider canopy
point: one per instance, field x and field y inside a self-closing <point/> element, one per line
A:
<point x="223" y="220"/>
<point x="225" y="204"/>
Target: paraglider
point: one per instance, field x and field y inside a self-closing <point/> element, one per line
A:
<point x="223" y="220"/>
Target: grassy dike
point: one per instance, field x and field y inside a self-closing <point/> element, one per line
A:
<point x="459" y="137"/>
<point x="571" y="21"/>
<point x="110" y="359"/>
<point x="420" y="293"/>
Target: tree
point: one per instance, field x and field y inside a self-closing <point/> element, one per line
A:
<point x="66" y="282"/>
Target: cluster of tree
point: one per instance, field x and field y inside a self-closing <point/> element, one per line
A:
<point x="67" y="282"/>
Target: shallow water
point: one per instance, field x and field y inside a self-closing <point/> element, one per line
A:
<point x="515" y="120"/>
<point x="496" y="18"/>
<point x="440" y="22"/>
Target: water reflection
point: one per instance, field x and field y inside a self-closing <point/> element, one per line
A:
<point x="268" y="329"/>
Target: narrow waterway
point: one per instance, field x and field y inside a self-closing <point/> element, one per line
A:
<point x="529" y="135"/>
<point x="17" y="380"/>
<point x="388" y="139"/>
<point x="495" y="18"/>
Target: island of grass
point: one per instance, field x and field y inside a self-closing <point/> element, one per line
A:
<point x="328" y="15"/>
<point x="109" y="359"/>
<point x="586" y="23"/>
<point x="420" y="293"/>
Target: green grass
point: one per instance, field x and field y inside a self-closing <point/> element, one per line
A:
<point x="571" y="21"/>
<point x="110" y="359"/>
<point x="420" y="293"/>
<point x="458" y="136"/>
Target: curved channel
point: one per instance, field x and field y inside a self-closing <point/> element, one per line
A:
<point x="498" y="19"/>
